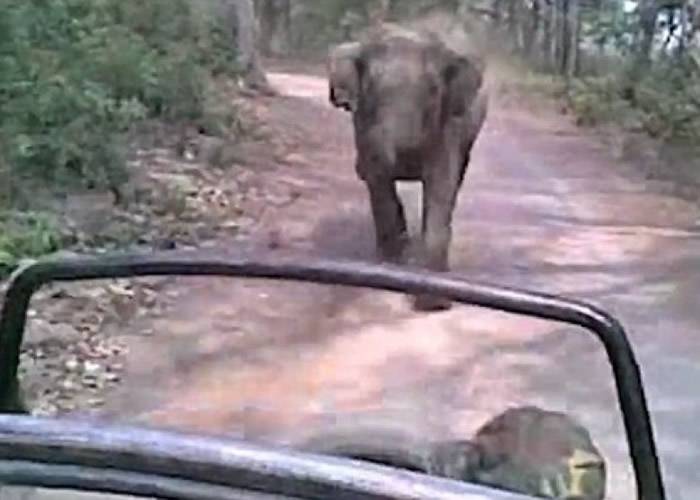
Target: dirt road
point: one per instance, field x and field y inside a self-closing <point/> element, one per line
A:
<point x="543" y="207"/>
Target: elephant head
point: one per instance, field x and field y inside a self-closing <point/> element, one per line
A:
<point x="409" y="72"/>
<point x="343" y="84"/>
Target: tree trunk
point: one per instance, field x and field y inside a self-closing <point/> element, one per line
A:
<point x="683" y="29"/>
<point x="571" y="61"/>
<point x="246" y="37"/>
<point x="555" y="36"/>
<point x="284" y="28"/>
<point x="532" y="28"/>
<point x="267" y="15"/>
<point x="521" y="20"/>
<point x="547" y="33"/>
<point x="648" y="11"/>
<point x="275" y="19"/>
<point x="574" y="33"/>
<point x="498" y="13"/>
<point x="694" y="14"/>
<point x="564" y="34"/>
<point x="513" y="21"/>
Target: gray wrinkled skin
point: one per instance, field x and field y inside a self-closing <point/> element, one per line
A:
<point x="417" y="110"/>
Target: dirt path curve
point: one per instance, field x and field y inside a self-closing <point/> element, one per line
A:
<point x="543" y="207"/>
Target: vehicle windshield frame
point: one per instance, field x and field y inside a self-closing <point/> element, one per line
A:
<point x="144" y="462"/>
<point x="290" y="267"/>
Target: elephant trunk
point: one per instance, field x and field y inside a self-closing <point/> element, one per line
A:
<point x="395" y="131"/>
<point x="376" y="152"/>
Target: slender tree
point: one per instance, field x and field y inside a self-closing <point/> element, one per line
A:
<point x="275" y="20"/>
<point x="245" y="25"/>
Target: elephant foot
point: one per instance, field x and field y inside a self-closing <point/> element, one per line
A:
<point x="394" y="253"/>
<point x="393" y="258"/>
<point x="431" y="303"/>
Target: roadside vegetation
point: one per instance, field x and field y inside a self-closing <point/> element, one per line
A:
<point x="629" y="70"/>
<point x="633" y="62"/>
<point x="77" y="80"/>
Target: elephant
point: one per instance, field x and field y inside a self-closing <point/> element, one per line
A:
<point x="417" y="108"/>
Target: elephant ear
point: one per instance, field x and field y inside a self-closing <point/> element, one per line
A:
<point x="463" y="77"/>
<point x="343" y="75"/>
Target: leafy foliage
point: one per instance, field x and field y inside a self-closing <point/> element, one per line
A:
<point x="610" y="26"/>
<point x="77" y="75"/>
<point x="319" y="22"/>
<point x="669" y="98"/>
<point x="635" y="63"/>
<point x="26" y="235"/>
<point x="664" y="100"/>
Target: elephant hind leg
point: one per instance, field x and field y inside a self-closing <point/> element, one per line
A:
<point x="389" y="220"/>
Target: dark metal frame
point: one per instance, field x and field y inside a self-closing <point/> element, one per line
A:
<point x="169" y="465"/>
<point x="607" y="329"/>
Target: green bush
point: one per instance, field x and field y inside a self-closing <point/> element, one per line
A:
<point x="26" y="235"/>
<point x="77" y="75"/>
<point x="669" y="98"/>
<point x="665" y="102"/>
<point x="599" y="100"/>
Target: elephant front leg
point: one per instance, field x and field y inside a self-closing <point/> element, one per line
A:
<point x="389" y="220"/>
<point x="439" y="197"/>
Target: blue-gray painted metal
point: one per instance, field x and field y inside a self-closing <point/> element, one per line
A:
<point x="169" y="465"/>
